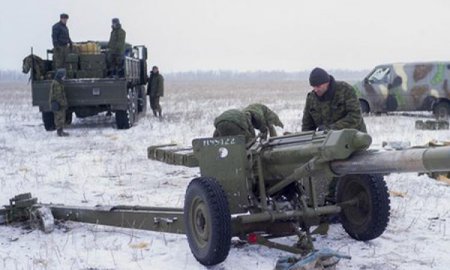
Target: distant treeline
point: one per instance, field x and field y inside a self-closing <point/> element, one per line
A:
<point x="260" y="75"/>
<point x="228" y="75"/>
<point x="12" y="75"/>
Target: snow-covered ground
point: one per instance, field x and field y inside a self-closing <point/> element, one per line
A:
<point x="99" y="164"/>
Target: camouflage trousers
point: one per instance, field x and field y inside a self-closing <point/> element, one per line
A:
<point x="59" y="56"/>
<point x="228" y="128"/>
<point x="154" y="103"/>
<point x="60" y="118"/>
<point x="115" y="64"/>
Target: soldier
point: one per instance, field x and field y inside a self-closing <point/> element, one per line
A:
<point x="264" y="119"/>
<point x="61" y="41"/>
<point x="155" y="90"/>
<point x="233" y="123"/>
<point x="116" y="47"/>
<point x="58" y="102"/>
<point x="331" y="104"/>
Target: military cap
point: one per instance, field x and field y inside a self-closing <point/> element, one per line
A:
<point x="318" y="76"/>
<point x="115" y="20"/>
<point x="64" y="16"/>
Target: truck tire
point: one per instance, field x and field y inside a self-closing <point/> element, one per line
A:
<point x="207" y="221"/>
<point x="142" y="101"/>
<point x="368" y="218"/>
<point x="364" y="106"/>
<point x="48" y="120"/>
<point x="125" y="119"/>
<point x="69" y="118"/>
<point x="442" y="110"/>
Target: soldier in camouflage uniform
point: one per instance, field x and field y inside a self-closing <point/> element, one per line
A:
<point x="58" y="101"/>
<point x="61" y="41"/>
<point x="155" y="90"/>
<point x="233" y="123"/>
<point x="116" y="47"/>
<point x="331" y="105"/>
<point x="264" y="119"/>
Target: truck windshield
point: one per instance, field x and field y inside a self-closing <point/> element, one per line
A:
<point x="380" y="75"/>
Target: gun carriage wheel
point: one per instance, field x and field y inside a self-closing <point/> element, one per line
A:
<point x="367" y="216"/>
<point x="208" y="221"/>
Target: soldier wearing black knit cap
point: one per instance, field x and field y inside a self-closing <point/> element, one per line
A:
<point x="331" y="105"/>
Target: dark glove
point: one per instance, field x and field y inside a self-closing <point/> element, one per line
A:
<point x="54" y="105"/>
<point x="321" y="128"/>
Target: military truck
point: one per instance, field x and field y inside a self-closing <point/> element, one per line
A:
<point x="90" y="87"/>
<point x="407" y="87"/>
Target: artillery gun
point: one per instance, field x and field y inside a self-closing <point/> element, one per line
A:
<point x="263" y="190"/>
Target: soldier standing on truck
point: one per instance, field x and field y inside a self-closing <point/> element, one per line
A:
<point x="331" y="105"/>
<point x="155" y="90"/>
<point x="116" y="48"/>
<point x="58" y="102"/>
<point x="61" y="41"/>
<point x="264" y="119"/>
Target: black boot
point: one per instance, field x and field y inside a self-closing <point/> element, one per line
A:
<point x="154" y="113"/>
<point x="160" y="113"/>
<point x="61" y="133"/>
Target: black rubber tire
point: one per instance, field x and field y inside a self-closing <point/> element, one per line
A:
<point x="142" y="101"/>
<point x="441" y="110"/>
<point x="69" y="118"/>
<point x="369" y="218"/>
<point x="48" y="120"/>
<point x="125" y="119"/>
<point x="210" y="235"/>
<point x="364" y="106"/>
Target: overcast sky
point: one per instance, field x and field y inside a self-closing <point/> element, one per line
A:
<point x="240" y="34"/>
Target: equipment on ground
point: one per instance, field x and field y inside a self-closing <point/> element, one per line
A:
<point x="265" y="189"/>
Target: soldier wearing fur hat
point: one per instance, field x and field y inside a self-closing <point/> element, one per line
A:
<point x="331" y="105"/>
<point x="116" y="48"/>
<point x="61" y="41"/>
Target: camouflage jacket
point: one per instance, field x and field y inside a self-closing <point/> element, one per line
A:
<point x="239" y="118"/>
<point x="337" y="109"/>
<point x="57" y="93"/>
<point x="60" y="35"/>
<point x="155" y="86"/>
<point x="116" y="43"/>
<point x="263" y="118"/>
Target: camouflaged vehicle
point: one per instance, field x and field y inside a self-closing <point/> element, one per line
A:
<point x="406" y="87"/>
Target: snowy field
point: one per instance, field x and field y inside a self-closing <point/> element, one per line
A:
<point x="99" y="164"/>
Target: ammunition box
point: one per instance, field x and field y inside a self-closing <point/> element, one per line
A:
<point x="90" y="73"/>
<point x="431" y="125"/>
<point x="72" y="58"/>
<point x="173" y="154"/>
<point x="92" y="61"/>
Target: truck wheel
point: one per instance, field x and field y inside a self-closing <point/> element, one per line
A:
<point x="207" y="221"/>
<point x="125" y="119"/>
<point x="368" y="217"/>
<point x="364" y="106"/>
<point x="68" y="118"/>
<point x="142" y="101"/>
<point x="49" y="121"/>
<point x="442" y="110"/>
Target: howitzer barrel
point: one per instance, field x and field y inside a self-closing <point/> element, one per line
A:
<point x="401" y="161"/>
